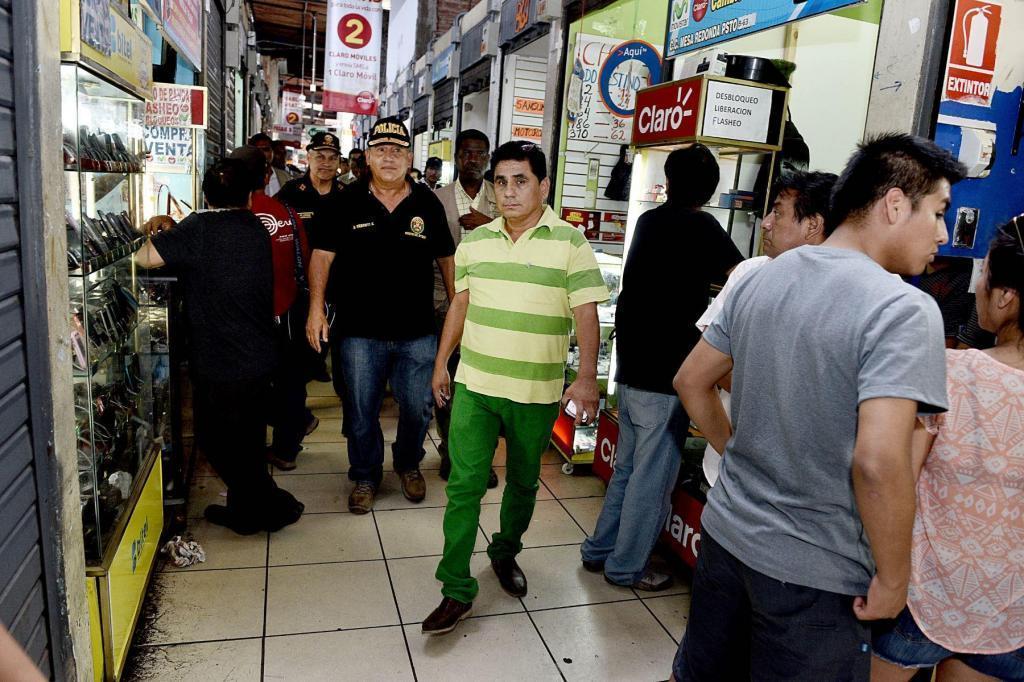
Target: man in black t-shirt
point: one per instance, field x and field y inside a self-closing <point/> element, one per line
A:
<point x="223" y="260"/>
<point x="375" y="245"/>
<point x="677" y="253"/>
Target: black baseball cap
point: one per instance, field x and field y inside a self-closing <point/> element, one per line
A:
<point x="324" y="141"/>
<point x="389" y="130"/>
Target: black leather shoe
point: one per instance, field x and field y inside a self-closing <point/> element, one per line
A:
<point x="492" y="480"/>
<point x="593" y="566"/>
<point x="510" y="576"/>
<point x="446" y="467"/>
<point x="446" y="616"/>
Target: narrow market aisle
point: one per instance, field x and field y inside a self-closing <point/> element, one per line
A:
<point x="340" y="597"/>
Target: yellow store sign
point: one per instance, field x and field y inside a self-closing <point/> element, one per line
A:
<point x="120" y="586"/>
<point x="96" y="33"/>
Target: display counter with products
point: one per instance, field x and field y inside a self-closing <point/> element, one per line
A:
<point x="112" y="335"/>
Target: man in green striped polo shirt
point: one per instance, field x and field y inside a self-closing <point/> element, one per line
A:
<point x="520" y="282"/>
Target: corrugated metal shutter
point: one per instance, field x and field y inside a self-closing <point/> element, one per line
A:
<point x="213" y="79"/>
<point x="475" y="79"/>
<point x="230" y="141"/>
<point x="23" y="586"/>
<point x="420" y="115"/>
<point x="444" y="104"/>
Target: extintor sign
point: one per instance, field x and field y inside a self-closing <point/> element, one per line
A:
<point x="972" y="52"/>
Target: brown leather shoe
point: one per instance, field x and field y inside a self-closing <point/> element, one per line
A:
<point x="446" y="616"/>
<point x="413" y="486"/>
<point x="280" y="463"/>
<point x="360" y="500"/>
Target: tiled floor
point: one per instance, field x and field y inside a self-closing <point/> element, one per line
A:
<point x="341" y="597"/>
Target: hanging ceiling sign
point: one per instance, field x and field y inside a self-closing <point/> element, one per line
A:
<point x="352" y="58"/>
<point x="290" y="113"/>
<point x="182" y="24"/>
<point x="971" y="64"/>
<point x="696" y="24"/>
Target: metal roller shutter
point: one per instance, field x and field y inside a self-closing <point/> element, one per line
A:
<point x="213" y="79"/>
<point x="420" y="115"/>
<point x="23" y="582"/>
<point x="444" y="104"/>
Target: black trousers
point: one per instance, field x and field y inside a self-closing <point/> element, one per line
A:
<point x="288" y="399"/>
<point x="231" y="429"/>
<point x="745" y="625"/>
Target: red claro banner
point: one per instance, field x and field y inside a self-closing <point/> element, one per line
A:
<point x="667" y="112"/>
<point x="352" y="59"/>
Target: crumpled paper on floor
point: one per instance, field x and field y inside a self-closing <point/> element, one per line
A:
<point x="183" y="552"/>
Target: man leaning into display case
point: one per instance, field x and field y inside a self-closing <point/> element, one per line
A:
<point x="521" y="280"/>
<point x="798" y="216"/>
<point x="678" y="250"/>
<point x="376" y="244"/>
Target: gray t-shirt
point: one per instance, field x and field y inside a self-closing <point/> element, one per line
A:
<point x="812" y="335"/>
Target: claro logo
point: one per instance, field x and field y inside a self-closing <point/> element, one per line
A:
<point x="607" y="451"/>
<point x="682" y="532"/>
<point x="700" y="8"/>
<point x="655" y="119"/>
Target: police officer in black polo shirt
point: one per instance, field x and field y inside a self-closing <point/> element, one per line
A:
<point x="306" y="194"/>
<point x="375" y="245"/>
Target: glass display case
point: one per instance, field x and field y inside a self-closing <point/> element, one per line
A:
<point x="113" y="387"/>
<point x="576" y="444"/>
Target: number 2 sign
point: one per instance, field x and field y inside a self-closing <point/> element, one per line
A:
<point x="352" y="58"/>
<point x="354" y="31"/>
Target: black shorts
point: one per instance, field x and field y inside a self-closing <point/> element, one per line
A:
<point x="745" y="625"/>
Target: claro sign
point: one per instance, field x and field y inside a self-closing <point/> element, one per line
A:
<point x="667" y="112"/>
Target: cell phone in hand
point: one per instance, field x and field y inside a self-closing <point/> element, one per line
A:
<point x="570" y="409"/>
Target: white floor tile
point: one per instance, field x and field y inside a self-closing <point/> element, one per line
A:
<point x="320" y="458"/>
<point x="318" y="538"/>
<point x="206" y="605"/>
<point x="490" y="648"/>
<point x="419" y="593"/>
<point x="551" y="525"/>
<point x="315" y="389"/>
<point x="564" y="486"/>
<point x="585" y="510"/>
<point x="231" y="661"/>
<point x="319" y="492"/>
<point x="329" y="431"/>
<point x="415" y="532"/>
<point x="389" y="495"/>
<point x="323" y="402"/>
<point x="620" y="641"/>
<point x="329" y="597"/>
<point x="557" y="578"/>
<point x="224" y="548"/>
<point x="672" y="611"/>
<point x="373" y="654"/>
<point x="206" y="490"/>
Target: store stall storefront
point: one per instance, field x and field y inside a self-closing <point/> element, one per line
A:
<point x="477" y="56"/>
<point x="444" y="79"/>
<point x="118" y="321"/>
<point x="808" y="114"/>
<point x="420" y="130"/>
<point x="526" y="73"/>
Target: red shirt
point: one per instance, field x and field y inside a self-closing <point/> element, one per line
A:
<point x="274" y="216"/>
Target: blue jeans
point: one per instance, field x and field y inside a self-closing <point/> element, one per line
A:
<point x="901" y="642"/>
<point x="652" y="430"/>
<point x="368" y="366"/>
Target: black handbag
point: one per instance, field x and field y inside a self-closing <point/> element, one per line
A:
<point x="297" y="314"/>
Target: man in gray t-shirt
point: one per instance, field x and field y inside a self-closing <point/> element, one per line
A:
<point x="807" y="533"/>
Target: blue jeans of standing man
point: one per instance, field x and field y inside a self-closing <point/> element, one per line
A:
<point x="652" y="429"/>
<point x="368" y="365"/>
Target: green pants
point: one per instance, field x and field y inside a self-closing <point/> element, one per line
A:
<point x="475" y="422"/>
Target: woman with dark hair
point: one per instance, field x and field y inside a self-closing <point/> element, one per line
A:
<point x="965" y="605"/>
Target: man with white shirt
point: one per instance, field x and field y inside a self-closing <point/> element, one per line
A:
<point x="468" y="203"/>
<point x="798" y="215"/>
